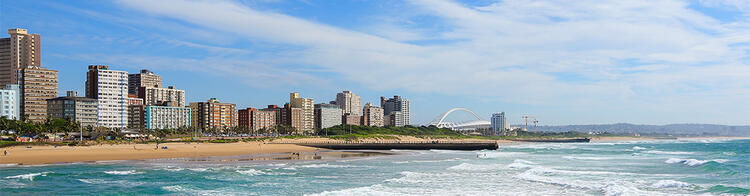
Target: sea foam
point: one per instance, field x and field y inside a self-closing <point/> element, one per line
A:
<point x="666" y="184"/>
<point x="127" y="172"/>
<point x="28" y="176"/>
<point x="693" y="162"/>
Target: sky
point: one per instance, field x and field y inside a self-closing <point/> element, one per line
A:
<point x="565" y="62"/>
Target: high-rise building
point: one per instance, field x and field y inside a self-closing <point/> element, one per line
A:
<point x="145" y="78"/>
<point x="372" y="115"/>
<point x="166" y="117"/>
<point x="395" y="119"/>
<point x="254" y="119"/>
<point x="136" y="113"/>
<point x="349" y="103"/>
<point x="293" y="117"/>
<point x="110" y="89"/>
<point x="19" y="51"/>
<point x="10" y="102"/>
<point x="396" y="104"/>
<point x="277" y="111"/>
<point x="350" y="119"/>
<point x="78" y="109"/>
<point x="37" y="85"/>
<point x="213" y="115"/>
<point x="499" y="123"/>
<point x="162" y="96"/>
<point x="308" y="111"/>
<point x="327" y="115"/>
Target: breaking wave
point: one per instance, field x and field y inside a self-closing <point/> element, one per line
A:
<point x="127" y="172"/>
<point x="693" y="162"/>
<point x="28" y="176"/>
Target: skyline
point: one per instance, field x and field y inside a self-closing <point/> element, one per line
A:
<point x="577" y="79"/>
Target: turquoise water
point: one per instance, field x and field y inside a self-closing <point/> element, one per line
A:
<point x="669" y="167"/>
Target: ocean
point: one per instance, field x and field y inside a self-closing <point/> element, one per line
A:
<point x="662" y="167"/>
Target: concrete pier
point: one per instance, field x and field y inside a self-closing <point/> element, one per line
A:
<point x="490" y="145"/>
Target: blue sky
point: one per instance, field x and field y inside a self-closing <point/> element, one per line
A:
<point x="567" y="62"/>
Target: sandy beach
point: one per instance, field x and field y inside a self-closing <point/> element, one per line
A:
<point x="108" y="152"/>
<point x="67" y="154"/>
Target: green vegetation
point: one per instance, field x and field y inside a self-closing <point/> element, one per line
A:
<point x="4" y="144"/>
<point x="362" y="136"/>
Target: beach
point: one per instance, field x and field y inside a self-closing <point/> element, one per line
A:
<point x="20" y="155"/>
<point x="68" y="154"/>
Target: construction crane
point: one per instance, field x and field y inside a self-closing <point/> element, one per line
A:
<point x="535" y="122"/>
<point x="526" y="119"/>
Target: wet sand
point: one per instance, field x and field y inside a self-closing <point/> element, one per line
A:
<point x="65" y="154"/>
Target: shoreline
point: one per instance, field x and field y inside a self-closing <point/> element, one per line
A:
<point x="279" y="150"/>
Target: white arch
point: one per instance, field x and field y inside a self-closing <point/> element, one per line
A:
<point x="437" y="122"/>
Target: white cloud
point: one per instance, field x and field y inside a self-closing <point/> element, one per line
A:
<point x="528" y="49"/>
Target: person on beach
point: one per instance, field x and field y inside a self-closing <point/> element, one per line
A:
<point x="5" y="152"/>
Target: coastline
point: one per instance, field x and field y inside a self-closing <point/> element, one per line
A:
<point x="279" y="149"/>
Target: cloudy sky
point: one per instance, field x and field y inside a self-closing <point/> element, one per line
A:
<point x="566" y="62"/>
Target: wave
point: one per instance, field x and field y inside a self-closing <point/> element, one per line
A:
<point x="520" y="164"/>
<point x="194" y="191"/>
<point x="693" y="162"/>
<point x="324" y="166"/>
<point x="429" y="161"/>
<point x="638" y="148"/>
<point x="368" y="190"/>
<point x="587" y="158"/>
<point x="127" y="172"/>
<point x="667" y="184"/>
<point x="548" y="176"/>
<point x="474" y="167"/>
<point x="666" y="152"/>
<point x="120" y="182"/>
<point x="251" y="172"/>
<point x="486" y="155"/>
<point x="29" y="177"/>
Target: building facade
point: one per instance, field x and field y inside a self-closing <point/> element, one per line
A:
<point x="327" y="115"/>
<point x="349" y="103"/>
<point x="394" y="119"/>
<point x="277" y="112"/>
<point x="78" y="109"/>
<point x="136" y="113"/>
<point x="145" y="78"/>
<point x="169" y="96"/>
<point x="372" y="115"/>
<point x="213" y="115"/>
<point x="396" y="104"/>
<point x="10" y="102"/>
<point x="499" y="123"/>
<point x="308" y="111"/>
<point x="350" y="119"/>
<point x="110" y="89"/>
<point x="18" y="51"/>
<point x="37" y="85"/>
<point x="166" y="117"/>
<point x="254" y="119"/>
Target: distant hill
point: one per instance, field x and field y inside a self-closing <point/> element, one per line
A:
<point x="672" y="129"/>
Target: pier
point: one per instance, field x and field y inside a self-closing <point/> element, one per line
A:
<point x="401" y="145"/>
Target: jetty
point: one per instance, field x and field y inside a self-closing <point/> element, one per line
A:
<point x="554" y="140"/>
<point x="400" y="145"/>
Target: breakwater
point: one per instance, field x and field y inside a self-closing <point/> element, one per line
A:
<point x="555" y="140"/>
<point x="403" y="145"/>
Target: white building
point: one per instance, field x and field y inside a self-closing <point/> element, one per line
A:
<point x="110" y="88"/>
<point x="372" y="115"/>
<point x="164" y="117"/>
<point x="349" y="103"/>
<point x="327" y="115"/>
<point x="499" y="123"/>
<point x="162" y="96"/>
<point x="396" y="104"/>
<point x="10" y="106"/>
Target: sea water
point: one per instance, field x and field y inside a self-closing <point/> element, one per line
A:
<point x="666" y="167"/>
